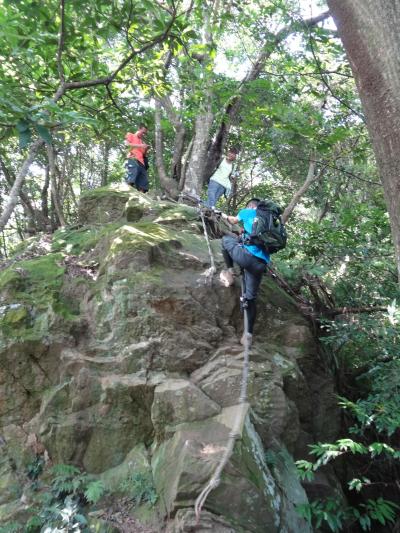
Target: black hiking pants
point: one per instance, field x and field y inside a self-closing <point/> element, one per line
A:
<point x="234" y="252"/>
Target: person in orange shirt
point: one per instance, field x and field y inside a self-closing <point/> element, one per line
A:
<point x="136" y="164"/>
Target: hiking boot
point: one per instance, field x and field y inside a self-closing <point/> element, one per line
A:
<point x="226" y="277"/>
<point x="249" y="337"/>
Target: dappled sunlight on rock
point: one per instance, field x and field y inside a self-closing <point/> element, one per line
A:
<point x="119" y="347"/>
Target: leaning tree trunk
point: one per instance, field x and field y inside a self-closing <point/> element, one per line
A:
<point x="18" y="182"/>
<point x="232" y="107"/>
<point x="168" y="184"/>
<point x="53" y="185"/>
<point x="194" y="175"/>
<point x="370" y="33"/>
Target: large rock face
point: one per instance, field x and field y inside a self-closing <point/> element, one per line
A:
<point x="118" y="349"/>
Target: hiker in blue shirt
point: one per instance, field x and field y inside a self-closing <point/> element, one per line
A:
<point x="253" y="259"/>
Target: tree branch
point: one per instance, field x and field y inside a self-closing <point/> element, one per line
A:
<point x="61" y="39"/>
<point x="232" y="106"/>
<point x="310" y="179"/>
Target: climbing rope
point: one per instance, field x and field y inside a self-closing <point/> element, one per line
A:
<point x="212" y="270"/>
<point x="195" y="199"/>
<point x="215" y="479"/>
<point x="235" y="433"/>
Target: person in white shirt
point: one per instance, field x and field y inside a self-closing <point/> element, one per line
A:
<point x="220" y="182"/>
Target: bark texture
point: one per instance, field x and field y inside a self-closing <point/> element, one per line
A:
<point x="19" y="180"/>
<point x="369" y="30"/>
<point x="53" y="184"/>
<point x="167" y="183"/>
<point x="194" y="175"/>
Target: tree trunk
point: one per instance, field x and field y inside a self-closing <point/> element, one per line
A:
<point x="44" y="194"/>
<point x="180" y="133"/>
<point x="169" y="185"/>
<point x="310" y="179"/>
<point x="194" y="176"/>
<point x="24" y="198"/>
<point x="104" y="170"/>
<point x="53" y="185"/>
<point x="370" y="33"/>
<point x="16" y="188"/>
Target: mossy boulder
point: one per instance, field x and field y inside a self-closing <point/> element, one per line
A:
<point x="247" y="497"/>
<point x="119" y="351"/>
<point x="103" y="205"/>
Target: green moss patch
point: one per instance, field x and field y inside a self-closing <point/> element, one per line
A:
<point x="32" y="295"/>
<point x="15" y="314"/>
<point x="180" y="213"/>
<point x="43" y="274"/>
<point x="33" y="280"/>
<point x="140" y="236"/>
<point x="11" y="279"/>
<point x="20" y="248"/>
<point x="75" y="242"/>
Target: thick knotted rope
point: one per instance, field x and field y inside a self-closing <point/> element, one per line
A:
<point x="235" y="433"/>
<point x="215" y="479"/>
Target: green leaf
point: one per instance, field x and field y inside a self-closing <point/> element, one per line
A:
<point x="23" y="125"/>
<point x="25" y="138"/>
<point x="305" y="511"/>
<point x="81" y="519"/>
<point x="365" y="522"/>
<point x="44" y="133"/>
<point x="94" y="491"/>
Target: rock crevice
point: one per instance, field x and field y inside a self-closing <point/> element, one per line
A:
<point x="143" y="354"/>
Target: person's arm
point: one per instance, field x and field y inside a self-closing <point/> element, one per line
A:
<point x="132" y="145"/>
<point x="229" y="218"/>
<point x="131" y="140"/>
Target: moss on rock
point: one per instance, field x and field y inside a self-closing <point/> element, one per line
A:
<point x="81" y="240"/>
<point x="11" y="279"/>
<point x="99" y="337"/>
<point x="34" y="288"/>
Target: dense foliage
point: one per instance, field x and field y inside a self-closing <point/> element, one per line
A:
<point x="297" y="121"/>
